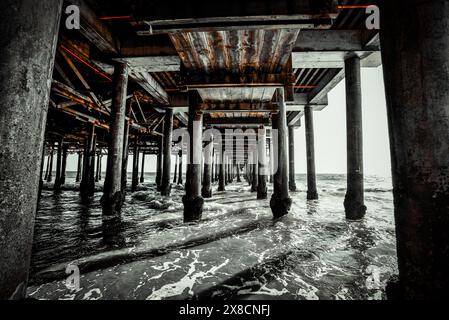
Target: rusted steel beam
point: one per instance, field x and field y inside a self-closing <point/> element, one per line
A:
<point x="80" y="77"/>
<point x="221" y="15"/>
<point x="214" y="80"/>
<point x="95" y="30"/>
<point x="151" y="86"/>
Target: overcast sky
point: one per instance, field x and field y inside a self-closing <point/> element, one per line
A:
<point x="330" y="132"/>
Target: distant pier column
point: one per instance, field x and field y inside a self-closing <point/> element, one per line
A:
<point x="415" y="45"/>
<point x="262" y="157"/>
<point x="212" y="165"/>
<point x="135" y="176"/>
<point x="291" y="158"/>
<point x="175" y="176"/>
<point x="124" y="158"/>
<point x="65" y="153"/>
<point x="180" y="173"/>
<point x="255" y="171"/>
<point x="193" y="202"/>
<point x="100" y="177"/>
<point x="239" y="179"/>
<point x="221" y="172"/>
<point x="354" y="200"/>
<point x="47" y="168"/>
<point x="270" y="152"/>
<point x="93" y="151"/>
<point x="97" y="173"/>
<point x="312" y="193"/>
<point x="280" y="201"/>
<point x="79" y="166"/>
<point x="113" y="194"/>
<point x="142" y="172"/>
<point x="168" y="135"/>
<point x="29" y="31"/>
<point x="50" y="170"/>
<point x="206" y="191"/>
<point x="159" y="163"/>
<point x="57" y="185"/>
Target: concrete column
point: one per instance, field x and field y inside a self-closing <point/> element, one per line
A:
<point x="168" y="135"/>
<point x="206" y="191"/>
<point x="221" y="171"/>
<point x="65" y="151"/>
<point x="212" y="165"/>
<point x="125" y="158"/>
<point x="93" y="151"/>
<point x="255" y="171"/>
<point x="142" y="172"/>
<point x="312" y="193"/>
<point x="291" y="157"/>
<point x="193" y="202"/>
<point x="159" y="163"/>
<point x="29" y="32"/>
<point x="113" y="196"/>
<point x="415" y="46"/>
<point x="262" y="161"/>
<point x="175" y="177"/>
<point x="180" y="178"/>
<point x="97" y="174"/>
<point x="57" y="185"/>
<point x="79" y="166"/>
<point x="354" y="200"/>
<point x="270" y="152"/>
<point x="50" y="171"/>
<point x="135" y="176"/>
<point x="280" y="201"/>
<point x="100" y="177"/>
<point x="47" y="168"/>
<point x="239" y="179"/>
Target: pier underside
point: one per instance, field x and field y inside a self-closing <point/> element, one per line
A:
<point x="217" y="89"/>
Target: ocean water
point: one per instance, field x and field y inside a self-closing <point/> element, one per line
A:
<point x="237" y="251"/>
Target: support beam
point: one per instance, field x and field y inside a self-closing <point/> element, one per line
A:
<point x="206" y="191"/>
<point x="262" y="161"/>
<point x="142" y="172"/>
<point x="28" y="49"/>
<point x="180" y="179"/>
<point x="168" y="135"/>
<point x="65" y="150"/>
<point x="125" y="158"/>
<point x="221" y="170"/>
<point x="57" y="185"/>
<point x="415" y="42"/>
<point x="193" y="202"/>
<point x="159" y="163"/>
<point x="113" y="196"/>
<point x="135" y="175"/>
<point x="312" y="193"/>
<point x="280" y="201"/>
<point x="175" y="176"/>
<point x="79" y="166"/>
<point x="291" y="158"/>
<point x="354" y="200"/>
<point x="94" y="30"/>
